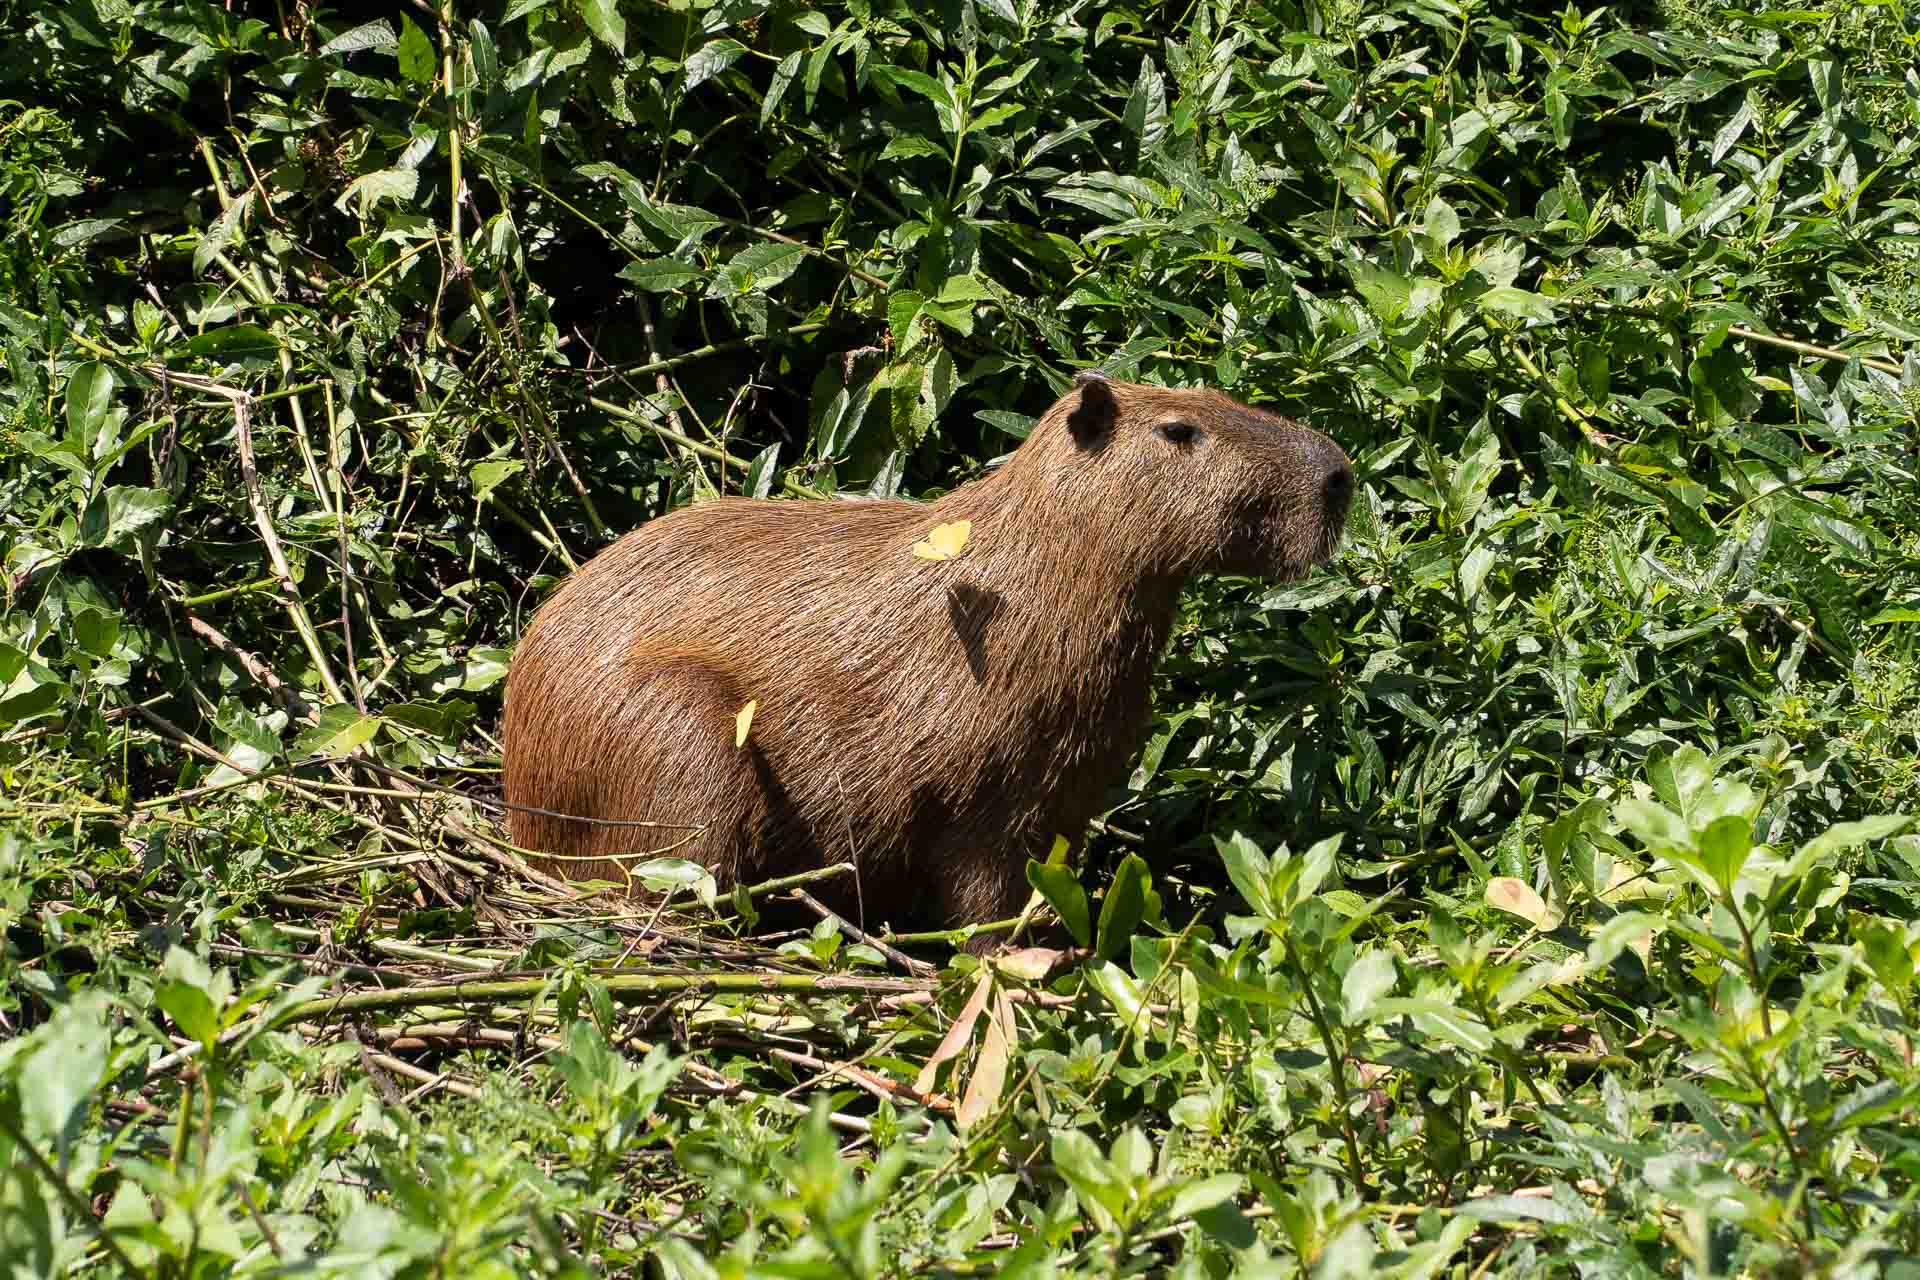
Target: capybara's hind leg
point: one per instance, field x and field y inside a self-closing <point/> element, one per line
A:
<point x="665" y="754"/>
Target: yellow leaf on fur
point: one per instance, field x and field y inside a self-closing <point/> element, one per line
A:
<point x="743" y="722"/>
<point x="944" y="541"/>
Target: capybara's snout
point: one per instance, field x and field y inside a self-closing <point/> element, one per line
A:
<point x="1335" y="485"/>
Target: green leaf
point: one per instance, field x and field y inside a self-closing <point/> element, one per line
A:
<point x="445" y="719"/>
<point x="192" y="995"/>
<point x="946" y="110"/>
<point x="1146" y="114"/>
<point x="1061" y="889"/>
<point x="1851" y="835"/>
<point x="397" y="185"/>
<point x="96" y="631"/>
<point x="1387" y="292"/>
<point x="1724" y="846"/>
<point x="1440" y="1019"/>
<point x="27" y="687"/>
<point x="1191" y="1198"/>
<point x="1155" y="751"/>
<point x="1120" y="990"/>
<point x="758" y="268"/>
<point x="377" y="34"/>
<point x="1824" y="74"/>
<point x="119" y="512"/>
<point x="1017" y="425"/>
<point x="963" y="288"/>
<point x="1887" y="952"/>
<point x="761" y="471"/>
<point x="783" y="77"/>
<point x="661" y="274"/>
<point x="62" y="1067"/>
<point x="488" y="476"/>
<point x="1316" y="864"/>
<point x="1219" y="984"/>
<point x="711" y="58"/>
<point x="1249" y="869"/>
<point x="1371" y="976"/>
<point x="339" y="731"/>
<point x="1656" y="826"/>
<point x="233" y="340"/>
<point x="1099" y="1187"/>
<point x="225" y="229"/>
<point x="1125" y="905"/>
<point x="1519" y="303"/>
<point x="666" y="875"/>
<point x="1620" y="932"/>
<point x="89" y="393"/>
<point x="957" y="318"/>
<point x="1729" y="133"/>
<point x="909" y="145"/>
<point x="1443" y="224"/>
<point x="416" y="52"/>
<point x="903" y="308"/>
<point x="604" y="20"/>
<point x="486" y="55"/>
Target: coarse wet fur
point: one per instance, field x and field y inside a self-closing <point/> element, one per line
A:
<point x="936" y="722"/>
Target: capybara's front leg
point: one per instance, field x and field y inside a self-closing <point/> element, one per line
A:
<point x="978" y="886"/>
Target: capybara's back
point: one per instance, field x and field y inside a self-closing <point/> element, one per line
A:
<point x="935" y="721"/>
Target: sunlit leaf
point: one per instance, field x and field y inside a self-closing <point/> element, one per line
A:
<point x="944" y="541"/>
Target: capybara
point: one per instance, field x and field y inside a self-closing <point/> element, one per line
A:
<point x="935" y="721"/>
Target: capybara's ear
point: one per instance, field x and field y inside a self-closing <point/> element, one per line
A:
<point x="1091" y="421"/>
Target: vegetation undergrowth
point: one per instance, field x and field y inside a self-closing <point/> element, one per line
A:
<point x="1530" y="893"/>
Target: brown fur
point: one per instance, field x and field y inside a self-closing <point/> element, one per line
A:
<point x="937" y="722"/>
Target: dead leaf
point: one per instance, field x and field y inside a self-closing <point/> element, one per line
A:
<point x="1029" y="964"/>
<point x="1516" y="897"/>
<point x="958" y="1034"/>
<point x="944" y="541"/>
<point x="990" y="1068"/>
<point x="743" y="722"/>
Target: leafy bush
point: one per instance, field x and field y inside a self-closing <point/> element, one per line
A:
<point x="332" y="345"/>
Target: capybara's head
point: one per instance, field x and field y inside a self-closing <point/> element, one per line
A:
<point x="1209" y="484"/>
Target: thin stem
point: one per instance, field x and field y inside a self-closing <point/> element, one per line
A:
<point x="228" y="593"/>
<point x="631" y="987"/>
<point x="1752" y="956"/>
<point x="1336" y="1068"/>
<point x="76" y="1204"/>
<point x="792" y="486"/>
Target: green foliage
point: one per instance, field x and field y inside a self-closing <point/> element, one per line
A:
<point x="331" y="345"/>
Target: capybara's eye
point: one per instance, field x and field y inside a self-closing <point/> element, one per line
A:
<point x="1178" y="432"/>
